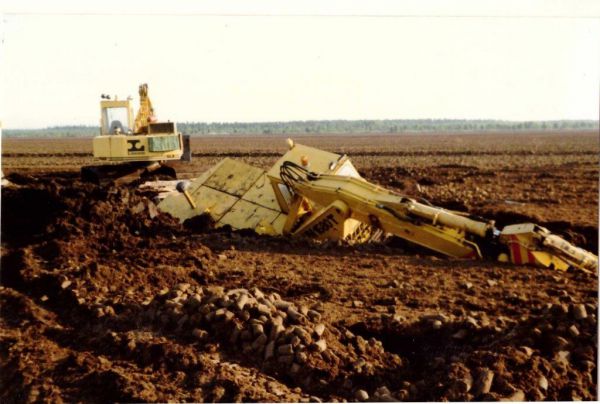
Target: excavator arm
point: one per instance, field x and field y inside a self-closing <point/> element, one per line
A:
<point x="146" y="112"/>
<point x="329" y="200"/>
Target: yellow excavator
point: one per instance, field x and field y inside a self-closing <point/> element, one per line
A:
<point x="128" y="147"/>
<point x="317" y="194"/>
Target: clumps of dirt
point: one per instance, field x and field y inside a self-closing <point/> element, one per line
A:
<point x="549" y="355"/>
<point x="105" y="299"/>
<point x="59" y="227"/>
<point x="51" y="208"/>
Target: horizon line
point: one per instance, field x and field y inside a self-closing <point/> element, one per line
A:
<point x="587" y="120"/>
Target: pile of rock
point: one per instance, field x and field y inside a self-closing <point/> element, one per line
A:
<point x="261" y="325"/>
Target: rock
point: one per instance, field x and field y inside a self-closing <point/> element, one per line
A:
<point x="275" y="389"/>
<point x="382" y="391"/>
<point x="301" y="357"/>
<point x="579" y="312"/>
<point x="467" y="285"/>
<point x="573" y="331"/>
<point x="535" y="395"/>
<point x="491" y="283"/>
<point x="518" y="395"/>
<point x="460" y="334"/>
<point x="397" y="318"/>
<point x="484" y="382"/>
<point x="402" y="395"/>
<point x="438" y="361"/>
<point x="199" y="333"/>
<point x="543" y="383"/>
<point x="276" y="330"/>
<point x="263" y="309"/>
<point x="561" y="308"/>
<point x="270" y="350"/>
<point x="587" y="365"/>
<point x="257" y="293"/>
<point x="259" y="342"/>
<point x="235" y="334"/>
<point x="65" y="284"/>
<point x="361" y="395"/>
<point x="131" y="345"/>
<point x="560" y="342"/>
<point x="303" y="335"/>
<point x="241" y="301"/>
<point x="282" y="305"/>
<point x="436" y="324"/>
<point x="294" y="315"/>
<point x="472" y="323"/>
<point x="319" y="329"/>
<point x="359" y="364"/>
<point x="246" y="335"/>
<point x="528" y="351"/>
<point x="286" y="359"/>
<point x="314" y="315"/>
<point x="295" y="341"/>
<point x="257" y="329"/>
<point x="320" y="345"/>
<point x="357" y="304"/>
<point x="563" y="357"/>
<point x="182" y="286"/>
<point x="222" y="257"/>
<point x="286" y="349"/>
<point x="361" y="344"/>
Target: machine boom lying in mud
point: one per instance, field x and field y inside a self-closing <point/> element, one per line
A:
<point x="317" y="194"/>
<point x="136" y="146"/>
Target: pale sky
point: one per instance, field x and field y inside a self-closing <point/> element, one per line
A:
<point x="210" y="63"/>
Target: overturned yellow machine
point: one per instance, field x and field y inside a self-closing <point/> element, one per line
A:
<point x="318" y="194"/>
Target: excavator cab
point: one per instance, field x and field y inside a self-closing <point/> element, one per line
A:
<point x="116" y="117"/>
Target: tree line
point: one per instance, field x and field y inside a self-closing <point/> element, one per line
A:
<point x="330" y="127"/>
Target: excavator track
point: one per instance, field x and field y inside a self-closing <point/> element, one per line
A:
<point x="126" y="173"/>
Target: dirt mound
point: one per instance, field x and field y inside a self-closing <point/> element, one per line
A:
<point x="104" y="298"/>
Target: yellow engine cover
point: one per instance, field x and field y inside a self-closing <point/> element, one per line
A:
<point x="157" y="147"/>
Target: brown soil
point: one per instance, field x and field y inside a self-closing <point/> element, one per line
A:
<point x="87" y="271"/>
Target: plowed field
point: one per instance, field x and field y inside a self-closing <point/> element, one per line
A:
<point x="103" y="298"/>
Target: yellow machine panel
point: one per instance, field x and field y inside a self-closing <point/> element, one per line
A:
<point x="262" y="193"/>
<point x="248" y="215"/>
<point x="234" y="178"/>
<point x="232" y="193"/>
